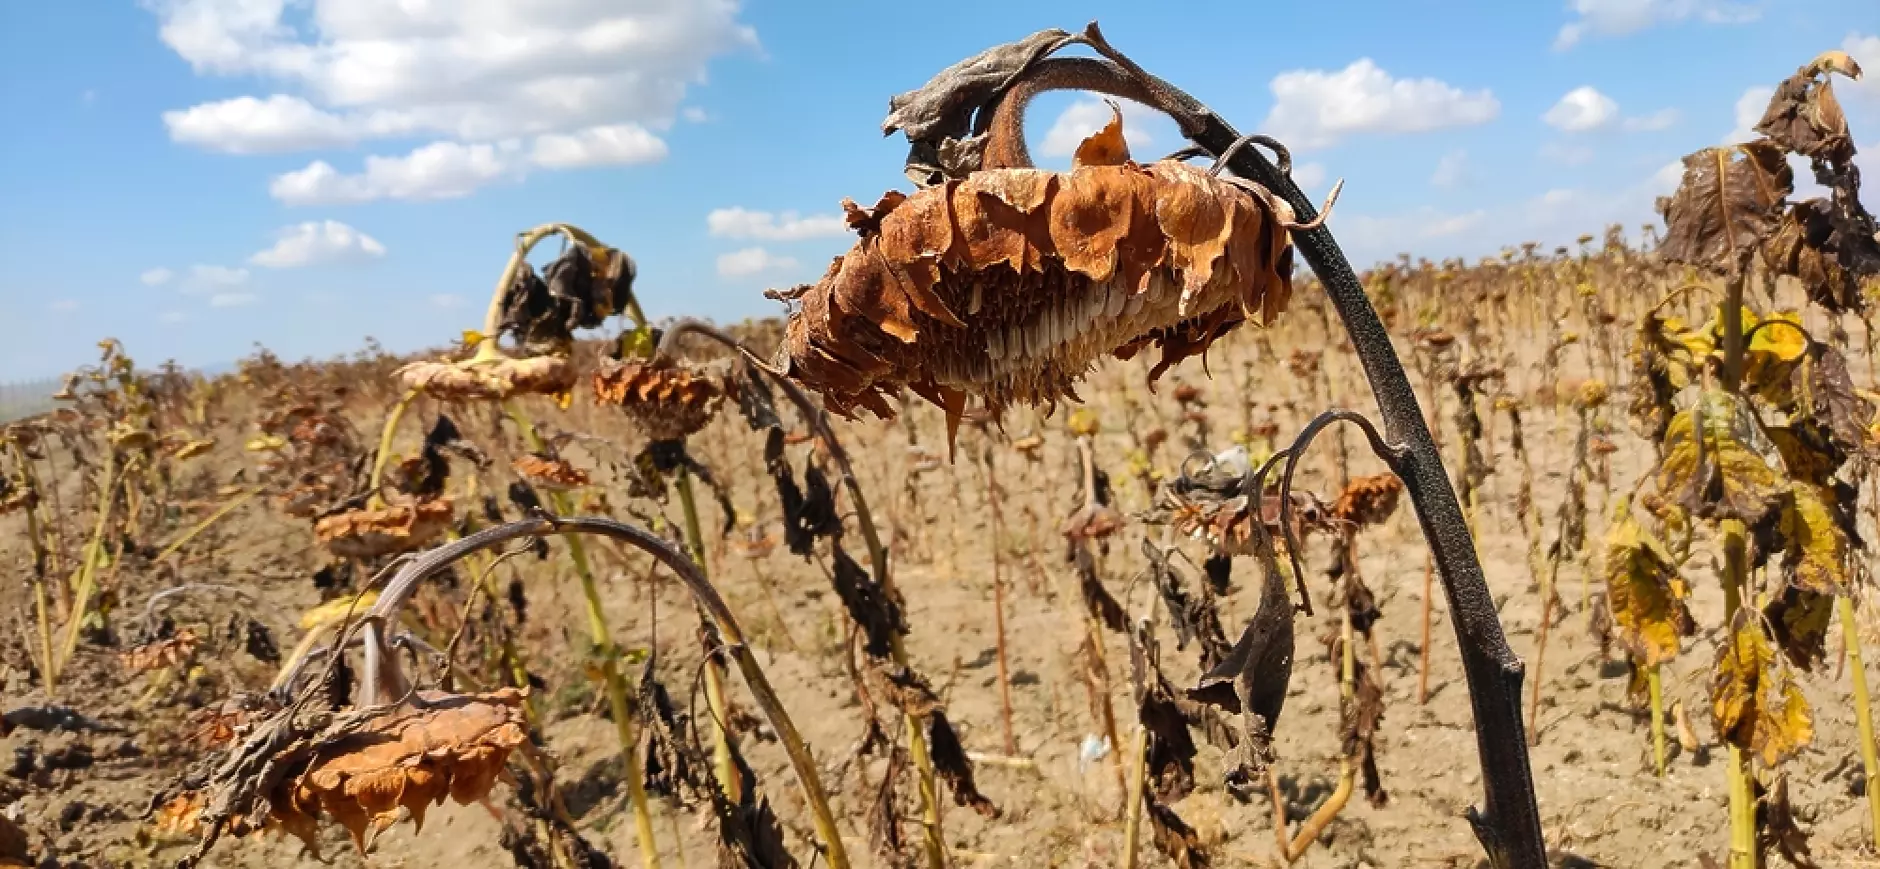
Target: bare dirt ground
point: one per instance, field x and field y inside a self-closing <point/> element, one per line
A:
<point x="82" y="797"/>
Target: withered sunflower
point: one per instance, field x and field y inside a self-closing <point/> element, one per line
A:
<point x="1009" y="283"/>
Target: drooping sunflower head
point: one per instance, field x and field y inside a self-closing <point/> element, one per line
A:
<point x="1008" y="284"/>
<point x="667" y="400"/>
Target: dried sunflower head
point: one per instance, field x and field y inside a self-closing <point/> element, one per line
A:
<point x="440" y="744"/>
<point x="549" y="472"/>
<point x="172" y="652"/>
<point x="1009" y="283"/>
<point x="489" y="380"/>
<point x="668" y="400"/>
<point x="1367" y="501"/>
<point x="579" y="290"/>
<point x="371" y="532"/>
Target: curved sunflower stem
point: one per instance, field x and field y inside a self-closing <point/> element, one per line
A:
<point x="486" y="348"/>
<point x="1863" y="713"/>
<point x="723" y="764"/>
<point x="618" y="695"/>
<point x="400" y="588"/>
<point x="386" y="433"/>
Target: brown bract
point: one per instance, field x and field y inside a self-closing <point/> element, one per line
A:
<point x="548" y="472"/>
<point x="440" y="744"/>
<point x="398" y="528"/>
<point x="1010" y="283"/>
<point x="669" y="401"/>
<point x="489" y="381"/>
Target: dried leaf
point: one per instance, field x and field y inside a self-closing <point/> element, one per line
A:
<point x="1804" y="116"/>
<point x="953" y="767"/>
<point x="1173" y="837"/>
<point x="1799" y="621"/>
<point x="1645" y="593"/>
<point x="1729" y="201"/>
<point x="1815" y="549"/>
<point x="1719" y="472"/>
<point x="871" y="606"/>
<point x="1754" y="698"/>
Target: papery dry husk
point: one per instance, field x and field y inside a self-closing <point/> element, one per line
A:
<point x="166" y="653"/>
<point x="668" y="401"/>
<point x="397" y="528"/>
<point x="442" y="744"/>
<point x="1010" y="283"/>
<point x="548" y="472"/>
<point x="489" y="381"/>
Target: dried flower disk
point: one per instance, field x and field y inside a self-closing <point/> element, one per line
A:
<point x="669" y="401"/>
<point x="1009" y="283"/>
<point x="489" y="381"/>
<point x="397" y="528"/>
<point x="549" y="472"/>
<point x="444" y="744"/>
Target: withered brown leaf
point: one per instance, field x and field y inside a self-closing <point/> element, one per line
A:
<point x="1729" y="201"/>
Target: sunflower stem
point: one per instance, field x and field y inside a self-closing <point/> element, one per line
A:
<point x="1863" y="712"/>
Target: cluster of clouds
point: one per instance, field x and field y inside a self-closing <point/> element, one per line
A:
<point x="440" y="100"/>
<point x="499" y="88"/>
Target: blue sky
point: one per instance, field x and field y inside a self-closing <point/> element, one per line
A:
<point x="194" y="177"/>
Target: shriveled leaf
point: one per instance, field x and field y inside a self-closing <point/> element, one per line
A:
<point x="1645" y="593"/>
<point x="954" y="768"/>
<point x="1824" y="392"/>
<point x="1730" y="199"/>
<point x="1822" y="246"/>
<point x="1173" y="837"/>
<point x="1754" y="698"/>
<point x="1805" y="117"/>
<point x="1800" y="621"/>
<point x="940" y="113"/>
<point x="1718" y="470"/>
<point x="1666" y="355"/>
<point x="1815" y="549"/>
<point x="1105" y="147"/>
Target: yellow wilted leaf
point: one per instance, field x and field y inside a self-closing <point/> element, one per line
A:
<point x="1720" y="469"/>
<point x="265" y="443"/>
<point x="1805" y="451"/>
<point x="1772" y="354"/>
<point x="1754" y="698"/>
<point x="472" y="337"/>
<point x="1799" y="621"/>
<point x="1815" y="547"/>
<point x="334" y="610"/>
<point x="1782" y="343"/>
<point x="1083" y="422"/>
<point x="1645" y="593"/>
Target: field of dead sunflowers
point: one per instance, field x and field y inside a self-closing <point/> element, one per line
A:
<point x="1101" y="517"/>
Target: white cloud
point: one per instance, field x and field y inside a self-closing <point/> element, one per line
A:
<point x="1452" y="170"/>
<point x="694" y="115"/>
<point x="63" y="306"/>
<point x="738" y="222"/>
<point x="156" y="277"/>
<point x="440" y="170"/>
<point x="1749" y="111"/>
<point x="317" y="243"/>
<point x="586" y="80"/>
<point x="246" y="125"/>
<point x="446" y="301"/>
<point x="1663" y="119"/>
<point x="1317" y="108"/>
<point x="210" y="278"/>
<point x="1625" y="17"/>
<point x="232" y="300"/>
<point x="613" y="144"/>
<point x="1582" y="110"/>
<point x="1084" y="117"/>
<point x="752" y="260"/>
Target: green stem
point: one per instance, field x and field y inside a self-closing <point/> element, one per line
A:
<point x="1655" y="682"/>
<point x="723" y="764"/>
<point x="1737" y="766"/>
<point x="385" y="443"/>
<point x="1863" y="713"/>
<point x="202" y="526"/>
<point x="86" y="581"/>
<point x="604" y="647"/>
